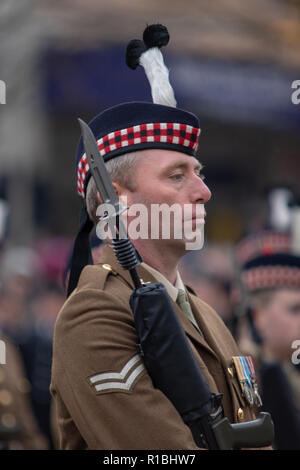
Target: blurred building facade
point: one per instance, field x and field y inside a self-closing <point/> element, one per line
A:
<point x="228" y="64"/>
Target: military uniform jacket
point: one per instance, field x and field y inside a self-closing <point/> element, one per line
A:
<point x="18" y="426"/>
<point x="104" y="397"/>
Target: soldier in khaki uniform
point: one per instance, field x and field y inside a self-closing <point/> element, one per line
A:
<point x="18" y="426"/>
<point x="104" y="396"/>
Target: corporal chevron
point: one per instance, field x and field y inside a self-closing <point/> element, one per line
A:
<point x="116" y="380"/>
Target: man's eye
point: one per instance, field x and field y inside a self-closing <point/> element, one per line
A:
<point x="177" y="177"/>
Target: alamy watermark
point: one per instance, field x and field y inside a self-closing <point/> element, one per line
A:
<point x="2" y="92"/>
<point x="2" y="352"/>
<point x="296" y="353"/>
<point x="295" y="96"/>
<point x="156" y="221"/>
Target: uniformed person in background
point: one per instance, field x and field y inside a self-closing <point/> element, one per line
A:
<point x="268" y="324"/>
<point x="18" y="427"/>
<point x="35" y="345"/>
<point x="104" y="396"/>
<point x="267" y="241"/>
<point x="273" y="285"/>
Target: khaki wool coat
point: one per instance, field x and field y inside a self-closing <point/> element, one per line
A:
<point x="104" y="397"/>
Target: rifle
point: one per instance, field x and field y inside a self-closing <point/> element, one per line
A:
<point x="166" y="352"/>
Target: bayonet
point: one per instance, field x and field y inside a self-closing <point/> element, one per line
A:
<point x="123" y="248"/>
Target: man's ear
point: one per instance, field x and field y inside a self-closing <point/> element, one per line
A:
<point x="117" y="188"/>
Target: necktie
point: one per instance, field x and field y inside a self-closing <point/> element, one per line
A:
<point x="184" y="304"/>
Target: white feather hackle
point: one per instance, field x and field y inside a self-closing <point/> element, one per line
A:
<point x="158" y="76"/>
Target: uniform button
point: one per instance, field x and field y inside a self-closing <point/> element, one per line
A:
<point x="23" y="385"/>
<point x="144" y="282"/>
<point x="240" y="414"/>
<point x="107" y="267"/>
<point x="230" y="371"/>
<point x="8" y="420"/>
<point x="5" y="398"/>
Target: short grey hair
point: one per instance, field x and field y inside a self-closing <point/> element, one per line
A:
<point x="120" y="169"/>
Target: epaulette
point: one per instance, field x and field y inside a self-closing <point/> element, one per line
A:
<point x="95" y="276"/>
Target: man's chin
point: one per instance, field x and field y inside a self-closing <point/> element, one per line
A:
<point x="185" y="245"/>
<point x="195" y="239"/>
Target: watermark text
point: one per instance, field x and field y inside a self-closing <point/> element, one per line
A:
<point x="2" y="352"/>
<point x="155" y="222"/>
<point x="296" y="353"/>
<point x="2" y="92"/>
<point x="295" y="96"/>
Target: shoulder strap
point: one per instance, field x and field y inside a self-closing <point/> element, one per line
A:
<point x="95" y="276"/>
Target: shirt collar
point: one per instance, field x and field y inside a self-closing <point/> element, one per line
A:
<point x="172" y="290"/>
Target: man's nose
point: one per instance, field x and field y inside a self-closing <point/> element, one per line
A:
<point x="200" y="191"/>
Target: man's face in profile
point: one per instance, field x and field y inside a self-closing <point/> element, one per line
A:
<point x="170" y="177"/>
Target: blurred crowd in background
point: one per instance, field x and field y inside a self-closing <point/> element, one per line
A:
<point x="232" y="63"/>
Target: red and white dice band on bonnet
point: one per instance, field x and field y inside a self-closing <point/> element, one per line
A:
<point x="168" y="132"/>
<point x="265" y="243"/>
<point x="264" y="277"/>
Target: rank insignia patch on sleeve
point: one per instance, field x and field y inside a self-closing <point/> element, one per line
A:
<point x="118" y="381"/>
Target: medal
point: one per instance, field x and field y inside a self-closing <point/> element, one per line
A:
<point x="245" y="371"/>
<point x="248" y="394"/>
<point x="257" y="397"/>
